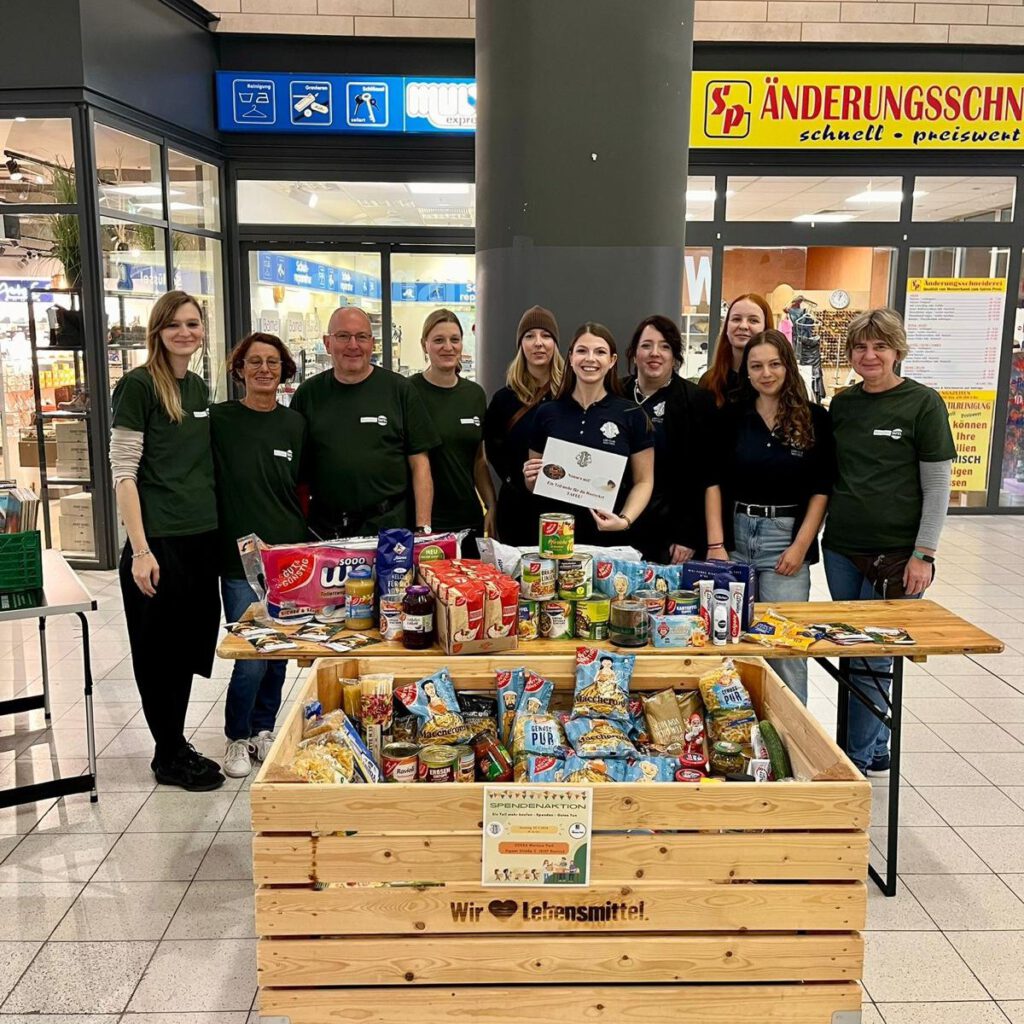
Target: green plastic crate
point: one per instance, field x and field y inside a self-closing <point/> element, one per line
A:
<point x="21" y="562"/>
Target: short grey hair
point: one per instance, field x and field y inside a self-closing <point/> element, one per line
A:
<point x="350" y="309"/>
<point x="884" y="324"/>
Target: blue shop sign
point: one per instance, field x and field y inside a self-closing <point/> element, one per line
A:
<point x="344" y="104"/>
<point x="275" y="268"/>
<point x="15" y="289"/>
<point x="440" y="293"/>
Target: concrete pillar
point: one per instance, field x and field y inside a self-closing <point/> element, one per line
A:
<point x="581" y="158"/>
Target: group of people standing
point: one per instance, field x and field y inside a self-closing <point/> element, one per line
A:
<point x="742" y="466"/>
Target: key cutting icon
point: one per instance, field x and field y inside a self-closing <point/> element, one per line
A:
<point x="368" y="100"/>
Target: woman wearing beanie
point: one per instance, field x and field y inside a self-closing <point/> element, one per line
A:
<point x="533" y="378"/>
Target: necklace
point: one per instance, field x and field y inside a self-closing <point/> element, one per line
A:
<point x="638" y="396"/>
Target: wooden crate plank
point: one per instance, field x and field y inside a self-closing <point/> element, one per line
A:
<point x="825" y="856"/>
<point x="451" y="807"/>
<point x="812" y="1003"/>
<point x="561" y="959"/>
<point x="644" y="907"/>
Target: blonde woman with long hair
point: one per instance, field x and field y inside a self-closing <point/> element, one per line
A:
<point x="162" y="465"/>
<point x="533" y="378"/>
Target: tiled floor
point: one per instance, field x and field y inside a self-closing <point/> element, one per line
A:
<point x="140" y="908"/>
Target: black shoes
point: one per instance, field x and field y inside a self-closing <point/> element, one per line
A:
<point x="189" y="770"/>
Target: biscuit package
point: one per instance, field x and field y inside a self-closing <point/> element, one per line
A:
<point x="598" y="737"/>
<point x="433" y="702"/>
<point x="602" y="684"/>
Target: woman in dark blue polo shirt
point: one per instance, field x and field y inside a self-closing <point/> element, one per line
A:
<point x="590" y="411"/>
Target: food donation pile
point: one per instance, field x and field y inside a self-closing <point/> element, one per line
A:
<point x="426" y="731"/>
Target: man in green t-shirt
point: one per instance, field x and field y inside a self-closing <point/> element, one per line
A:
<point x="368" y="439"/>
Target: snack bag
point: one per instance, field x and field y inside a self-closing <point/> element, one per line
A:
<point x="774" y="630"/>
<point x="511" y="683"/>
<point x="614" y="577"/>
<point x="662" y="578"/>
<point x="539" y="734"/>
<point x="433" y="702"/>
<point x="602" y="684"/>
<point x="394" y="563"/>
<point x="730" y="710"/>
<point x="436" y="546"/>
<point x="536" y="696"/>
<point x="652" y="769"/>
<point x="544" y="769"/>
<point x="664" y="722"/>
<point x="597" y="769"/>
<point x="598" y="737"/>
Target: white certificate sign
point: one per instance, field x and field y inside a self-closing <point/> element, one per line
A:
<point x="580" y="476"/>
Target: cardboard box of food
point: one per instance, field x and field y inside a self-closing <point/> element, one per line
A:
<point x="77" y="507"/>
<point x="72" y="469"/>
<point x="71" y="430"/>
<point x="72" y="451"/>
<point x="28" y="454"/>
<point x="75" y="531"/>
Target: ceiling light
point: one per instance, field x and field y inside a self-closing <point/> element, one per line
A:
<point x="13" y="169"/>
<point x="21" y="120"/>
<point x="882" y="195"/>
<point x="443" y="188"/>
<point x="313" y="200"/>
<point x="823" y="218"/>
<point x="705" y="195"/>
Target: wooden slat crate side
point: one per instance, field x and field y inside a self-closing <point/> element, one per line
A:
<point x="812" y="856"/>
<point x="810" y="1003"/>
<point x="453" y="807"/>
<point x="646" y="907"/>
<point x="560" y="959"/>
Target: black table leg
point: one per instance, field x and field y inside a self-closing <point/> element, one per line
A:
<point x="44" y="661"/>
<point x="895" y="723"/>
<point x="90" y="725"/>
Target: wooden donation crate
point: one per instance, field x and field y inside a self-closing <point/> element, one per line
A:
<point x="739" y="902"/>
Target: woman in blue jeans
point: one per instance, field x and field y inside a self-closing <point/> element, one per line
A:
<point x="894" y="452"/>
<point x="257" y="451"/>
<point x="776" y="479"/>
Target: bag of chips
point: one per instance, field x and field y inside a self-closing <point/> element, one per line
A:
<point x="510" y="684"/>
<point x="730" y="711"/>
<point x="774" y="630"/>
<point x="433" y="702"/>
<point x="576" y="770"/>
<point x="602" y="684"/>
<point x="536" y="696"/>
<point x="598" y="737"/>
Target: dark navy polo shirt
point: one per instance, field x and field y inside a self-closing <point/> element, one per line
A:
<point x="613" y="424"/>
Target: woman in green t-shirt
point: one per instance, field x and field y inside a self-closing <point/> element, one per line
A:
<point x="163" y="477"/>
<point x="464" y="496"/>
<point x="894" y="454"/>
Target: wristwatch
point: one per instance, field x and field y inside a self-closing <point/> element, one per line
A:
<point x="930" y="559"/>
<point x="424" y="529"/>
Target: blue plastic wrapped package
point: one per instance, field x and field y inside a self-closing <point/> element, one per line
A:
<point x="663" y="578"/>
<point x="653" y="769"/>
<point x="602" y="684"/>
<point x="544" y="769"/>
<point x="432" y="700"/>
<point x="725" y="573"/>
<point x="539" y="734"/>
<point x="510" y="683"/>
<point x="615" y="577"/>
<point x="536" y="696"/>
<point x="577" y="770"/>
<point x="598" y="737"/>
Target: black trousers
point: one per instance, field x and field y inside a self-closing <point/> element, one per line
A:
<point x="173" y="635"/>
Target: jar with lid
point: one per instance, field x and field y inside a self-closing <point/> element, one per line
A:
<point x="628" y="624"/>
<point x="417" y="618"/>
<point x="359" y="598"/>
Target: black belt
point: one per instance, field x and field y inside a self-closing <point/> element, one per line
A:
<point x="348" y="521"/>
<point x="766" y="511"/>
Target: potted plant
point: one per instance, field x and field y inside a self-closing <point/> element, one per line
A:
<point x="66" y="231"/>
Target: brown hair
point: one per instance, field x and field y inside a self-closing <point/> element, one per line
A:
<point x="157" y="360"/>
<point x="716" y="379"/>
<point x="611" y="378"/>
<point x="794" y="423"/>
<point x="525" y="387"/>
<point x="884" y="325"/>
<point x="241" y="350"/>
<point x="667" y="329"/>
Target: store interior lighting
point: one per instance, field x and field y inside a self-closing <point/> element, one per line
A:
<point x="313" y="200"/>
<point x="442" y="188"/>
<point x="828" y="217"/>
<point x="882" y="195"/>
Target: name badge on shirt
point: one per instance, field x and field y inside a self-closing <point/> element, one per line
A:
<point x="201" y="414"/>
<point x="896" y="433"/>
<point x="470" y="421"/>
<point x="380" y="421"/>
<point x="283" y="454"/>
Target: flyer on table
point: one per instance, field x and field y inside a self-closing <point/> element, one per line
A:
<point x="579" y="475"/>
<point x="537" y="836"/>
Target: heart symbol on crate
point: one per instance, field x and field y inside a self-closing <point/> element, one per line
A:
<point x="503" y="908"/>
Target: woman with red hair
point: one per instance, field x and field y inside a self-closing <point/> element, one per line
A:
<point x="726" y="378"/>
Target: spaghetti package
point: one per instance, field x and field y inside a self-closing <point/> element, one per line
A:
<point x="730" y="711"/>
<point x="376" y="709"/>
<point x="510" y="683"/>
<point x="432" y="700"/>
<point x="597" y="737"/>
<point x="602" y="684"/>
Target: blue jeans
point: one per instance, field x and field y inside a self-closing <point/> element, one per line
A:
<point x="254" y="692"/>
<point x="759" y="542"/>
<point x="867" y="738"/>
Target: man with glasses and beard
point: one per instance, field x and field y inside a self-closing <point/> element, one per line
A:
<point x="366" y="461"/>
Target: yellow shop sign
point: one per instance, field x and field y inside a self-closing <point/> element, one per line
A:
<point x="856" y="110"/>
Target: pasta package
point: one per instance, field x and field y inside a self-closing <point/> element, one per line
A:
<point x="536" y="696"/>
<point x="653" y="769"/>
<point x="539" y="734"/>
<point x="638" y="731"/>
<point x="774" y="630"/>
<point x="335" y="746"/>
<point x="663" y="578"/>
<point x="602" y="684"/>
<point x="480" y="711"/>
<point x="615" y="577"/>
<point x="320" y="724"/>
<point x="316" y="765"/>
<point x="598" y="737"/>
<point x="577" y="770"/>
<point x="376" y="710"/>
<point x="432" y="700"/>
<point x="664" y="722"/>
<point x="544" y="769"/>
<point x="730" y="711"/>
<point x="510" y="683"/>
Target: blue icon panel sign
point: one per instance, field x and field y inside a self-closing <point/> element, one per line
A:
<point x="277" y="102"/>
<point x="298" y="272"/>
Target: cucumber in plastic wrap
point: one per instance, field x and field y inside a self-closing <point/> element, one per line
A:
<point x="781" y="767"/>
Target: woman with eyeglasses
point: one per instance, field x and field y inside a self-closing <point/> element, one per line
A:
<point x="257" y="450"/>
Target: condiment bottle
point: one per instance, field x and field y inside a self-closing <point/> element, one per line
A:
<point x="359" y="598"/>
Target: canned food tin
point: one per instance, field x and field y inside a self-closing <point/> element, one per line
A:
<point x="628" y="623"/>
<point x="391" y="617"/>
<point x="653" y="601"/>
<point x="689" y="775"/>
<point x="438" y="763"/>
<point x="539" y="577"/>
<point x="682" y="602"/>
<point x="529" y="615"/>
<point x="557" y="535"/>
<point x="592" y="618"/>
<point x="575" y="577"/>
<point x="400" y="762"/>
<point x="557" y="620"/>
<point x="465" y="763"/>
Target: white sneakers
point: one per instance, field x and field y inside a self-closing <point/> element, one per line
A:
<point x="239" y="753"/>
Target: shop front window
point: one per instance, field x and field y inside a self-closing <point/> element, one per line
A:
<point x="816" y="201"/>
<point x="700" y="197"/>
<point x="38" y="161"/>
<point x="1011" y="480"/>
<point x="197" y="269"/>
<point x="194" y="197"/>
<point x="965" y="199"/>
<point x="129" y="173"/>
<point x="954" y="318"/>
<point x="695" y="320"/>
<point x="377" y="204"/>
<point x="420" y="283"/>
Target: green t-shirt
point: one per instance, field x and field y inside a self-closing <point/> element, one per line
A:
<point x="359" y="438"/>
<point x="175" y="477"/>
<point x="256" y="457"/>
<point x="880" y="439"/>
<point x="458" y="416"/>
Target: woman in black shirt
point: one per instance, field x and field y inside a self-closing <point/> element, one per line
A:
<point x="672" y="527"/>
<point x="533" y="378"/>
<point x="590" y="411"/>
<point x="776" y="481"/>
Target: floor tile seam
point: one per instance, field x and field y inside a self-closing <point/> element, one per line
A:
<point x="993" y="931"/>
<point x="42" y="946"/>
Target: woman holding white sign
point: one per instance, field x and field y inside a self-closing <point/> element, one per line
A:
<point x="591" y="413"/>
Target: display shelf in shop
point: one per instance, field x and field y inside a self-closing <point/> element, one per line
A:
<point x="62" y="482"/>
<point x="62" y="415"/>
